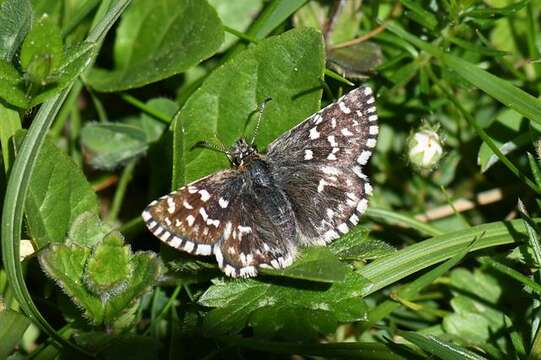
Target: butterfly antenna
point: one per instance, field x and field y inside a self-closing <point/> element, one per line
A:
<point x="205" y="144"/>
<point x="260" y="109"/>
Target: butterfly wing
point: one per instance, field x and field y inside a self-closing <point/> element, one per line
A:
<point x="319" y="165"/>
<point x="228" y="215"/>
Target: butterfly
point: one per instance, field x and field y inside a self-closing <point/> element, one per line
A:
<point x="308" y="189"/>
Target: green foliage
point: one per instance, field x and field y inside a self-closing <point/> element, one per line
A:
<point x="105" y="281"/>
<point x="183" y="34"/>
<point x="442" y="264"/>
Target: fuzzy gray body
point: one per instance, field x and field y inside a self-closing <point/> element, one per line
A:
<point x="308" y="190"/>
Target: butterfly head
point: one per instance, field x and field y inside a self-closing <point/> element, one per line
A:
<point x="242" y="153"/>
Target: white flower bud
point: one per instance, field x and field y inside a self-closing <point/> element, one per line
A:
<point x="425" y="149"/>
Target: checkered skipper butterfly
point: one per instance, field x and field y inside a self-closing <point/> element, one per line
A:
<point x="306" y="190"/>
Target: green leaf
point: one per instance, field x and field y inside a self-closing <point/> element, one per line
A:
<point x="87" y="230"/>
<point x="10" y="122"/>
<point x="12" y="85"/>
<point x="301" y="324"/>
<point x="58" y="194"/>
<point x="156" y="42"/>
<point x="14" y="325"/>
<point x="231" y="94"/>
<point x="235" y="301"/>
<point x="357" y="245"/>
<point x="108" y="267"/>
<point x="475" y="317"/>
<point x="42" y="51"/>
<point x="111" y="144"/>
<point x="15" y="21"/>
<point x="442" y="349"/>
<point x="314" y="264"/>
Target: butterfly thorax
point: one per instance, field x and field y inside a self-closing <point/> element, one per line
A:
<point x="242" y="154"/>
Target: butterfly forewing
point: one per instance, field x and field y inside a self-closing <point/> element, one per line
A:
<point x="319" y="164"/>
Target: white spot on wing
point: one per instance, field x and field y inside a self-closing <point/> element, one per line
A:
<point x="187" y="205"/>
<point x="314" y="134"/>
<point x="367" y="91"/>
<point x="372" y="118"/>
<point x="343" y="228"/>
<point x="371" y="143"/>
<point x="203" y="213"/>
<point x="170" y="205"/>
<point x="175" y="241"/>
<point x="223" y="203"/>
<point x="190" y="220"/>
<point x="146" y="215"/>
<point x="227" y="230"/>
<point x="308" y="154"/>
<point x="203" y="249"/>
<point x="363" y="158"/>
<point x="346" y="132"/>
<point x="321" y="185"/>
<point x="188" y="246"/>
<point x="204" y="195"/>
<point x="344" y="108"/>
<point x="362" y="206"/>
<point x="332" y="141"/>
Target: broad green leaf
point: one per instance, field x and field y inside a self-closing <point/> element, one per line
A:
<point x="235" y="301"/>
<point x="14" y="325"/>
<point x="357" y="245"/>
<point x="111" y="144"/>
<point x="314" y="264"/>
<point x="288" y="68"/>
<point x="476" y="296"/>
<point x="10" y="122"/>
<point x="156" y="42"/>
<point x="87" y="230"/>
<point x="15" y="21"/>
<point x="58" y="194"/>
<point x="108" y="267"/>
<point x="12" y="85"/>
<point x="442" y="349"/>
<point x="237" y="14"/>
<point x="42" y="51"/>
<point x="301" y="324"/>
